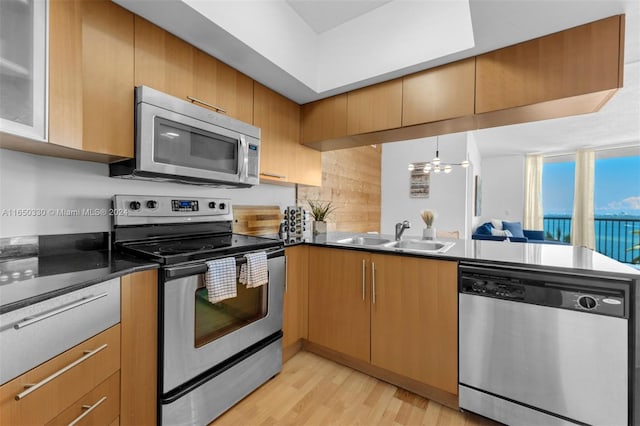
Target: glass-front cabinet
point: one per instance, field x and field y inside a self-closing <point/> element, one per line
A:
<point x="23" y="68"/>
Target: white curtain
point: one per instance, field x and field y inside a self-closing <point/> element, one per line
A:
<point x="582" y="226"/>
<point x="533" y="216"/>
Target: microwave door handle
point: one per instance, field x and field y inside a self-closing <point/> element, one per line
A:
<point x="243" y="172"/>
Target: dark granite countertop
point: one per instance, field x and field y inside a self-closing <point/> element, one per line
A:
<point x="548" y="257"/>
<point x="61" y="268"/>
<point x="64" y="265"/>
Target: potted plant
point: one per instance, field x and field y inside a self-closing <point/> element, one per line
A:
<point x="428" y="217"/>
<point x="320" y="211"/>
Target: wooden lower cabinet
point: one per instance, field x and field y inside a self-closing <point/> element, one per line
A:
<point x="295" y="316"/>
<point x="98" y="407"/>
<point x="339" y="300"/>
<point x="398" y="314"/>
<point x="139" y="321"/>
<point x="114" y="371"/>
<point x="67" y="384"/>
<point x="414" y="319"/>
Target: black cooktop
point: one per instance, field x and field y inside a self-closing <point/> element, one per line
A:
<point x="186" y="249"/>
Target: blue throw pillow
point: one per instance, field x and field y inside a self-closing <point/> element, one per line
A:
<point x="514" y="227"/>
<point x="484" y="229"/>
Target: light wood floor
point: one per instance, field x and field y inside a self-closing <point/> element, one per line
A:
<point x="312" y="390"/>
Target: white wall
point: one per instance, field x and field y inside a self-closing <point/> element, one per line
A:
<point x="449" y="193"/>
<point x="503" y="188"/>
<point x="37" y="182"/>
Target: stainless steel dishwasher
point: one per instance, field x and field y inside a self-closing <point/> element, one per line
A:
<point x="544" y="348"/>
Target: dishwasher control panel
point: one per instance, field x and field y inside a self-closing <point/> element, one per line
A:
<point x="545" y="292"/>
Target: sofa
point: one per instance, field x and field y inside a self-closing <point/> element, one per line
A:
<point x="499" y="230"/>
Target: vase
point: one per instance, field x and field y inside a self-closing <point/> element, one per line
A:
<point x="319" y="227"/>
<point x="429" y="233"/>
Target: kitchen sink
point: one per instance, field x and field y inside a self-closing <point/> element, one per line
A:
<point x="364" y="241"/>
<point x="421" y="245"/>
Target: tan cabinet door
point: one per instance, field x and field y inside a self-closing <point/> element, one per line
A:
<point x="278" y="119"/>
<point x="139" y="363"/>
<point x="295" y="317"/>
<point x="339" y="300"/>
<point x="574" y="62"/>
<point x="324" y="119"/>
<point x="414" y="319"/>
<point x="220" y="85"/>
<point x="375" y="108"/>
<point x="91" y="76"/>
<point x="439" y="94"/>
<point x="171" y="65"/>
<point x="163" y="61"/>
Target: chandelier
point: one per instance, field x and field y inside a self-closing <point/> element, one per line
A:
<point x="436" y="165"/>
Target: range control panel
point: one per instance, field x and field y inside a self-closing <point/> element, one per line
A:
<point x="545" y="293"/>
<point x="137" y="209"/>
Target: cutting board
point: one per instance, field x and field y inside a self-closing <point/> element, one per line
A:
<point x="256" y="220"/>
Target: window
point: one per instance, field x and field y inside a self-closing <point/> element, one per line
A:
<point x="557" y="197"/>
<point x="616" y="201"/>
<point x="617" y="206"/>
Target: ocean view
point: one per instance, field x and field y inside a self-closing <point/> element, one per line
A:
<point x="615" y="234"/>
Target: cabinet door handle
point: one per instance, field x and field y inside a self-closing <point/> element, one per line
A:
<point x="89" y="409"/>
<point x="195" y="100"/>
<point x="373" y="282"/>
<point x="273" y="175"/>
<point x="363" y="276"/>
<point x="60" y="310"/>
<point x="31" y="388"/>
<point x="286" y="274"/>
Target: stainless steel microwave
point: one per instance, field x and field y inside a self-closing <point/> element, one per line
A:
<point x="178" y="141"/>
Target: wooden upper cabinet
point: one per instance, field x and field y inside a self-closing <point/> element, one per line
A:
<point x="279" y="121"/>
<point x="91" y="76"/>
<point x="171" y="65"/>
<point x="374" y="108"/>
<point x="223" y="86"/>
<point x="578" y="61"/>
<point x="439" y="93"/>
<point x="324" y="119"/>
<point x="339" y="300"/>
<point x="163" y="61"/>
<point x="283" y="158"/>
<point x="414" y="319"/>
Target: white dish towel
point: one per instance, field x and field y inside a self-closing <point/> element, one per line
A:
<point x="255" y="272"/>
<point x="220" y="279"/>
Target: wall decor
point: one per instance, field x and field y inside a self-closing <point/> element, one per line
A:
<point x="419" y="181"/>
<point x="478" y="196"/>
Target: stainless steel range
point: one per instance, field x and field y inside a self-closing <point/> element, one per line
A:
<point x="210" y="355"/>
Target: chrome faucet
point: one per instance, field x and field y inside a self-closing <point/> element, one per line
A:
<point x="400" y="227"/>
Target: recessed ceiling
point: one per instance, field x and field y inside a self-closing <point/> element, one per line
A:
<point x="323" y="15"/>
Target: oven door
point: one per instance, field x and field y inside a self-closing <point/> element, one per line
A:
<point x="169" y="143"/>
<point x="198" y="335"/>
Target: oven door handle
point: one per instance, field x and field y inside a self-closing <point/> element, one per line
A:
<point x="201" y="267"/>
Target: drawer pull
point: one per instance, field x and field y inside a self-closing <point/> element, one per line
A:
<point x="218" y="109"/>
<point x="89" y="409"/>
<point x="32" y="388"/>
<point x="273" y="175"/>
<point x="60" y="310"/>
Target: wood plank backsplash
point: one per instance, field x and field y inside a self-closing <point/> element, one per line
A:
<point x="256" y="220"/>
<point x="351" y="181"/>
